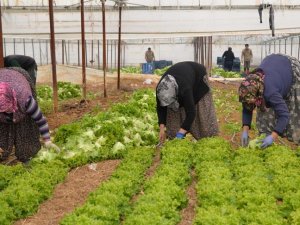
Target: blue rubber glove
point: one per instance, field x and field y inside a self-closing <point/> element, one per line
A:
<point x="180" y="135"/>
<point x="267" y="141"/>
<point x="245" y="139"/>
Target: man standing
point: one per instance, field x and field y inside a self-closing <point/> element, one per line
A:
<point x="149" y="56"/>
<point x="246" y="58"/>
<point x="228" y="57"/>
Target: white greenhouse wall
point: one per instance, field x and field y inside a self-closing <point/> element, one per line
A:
<point x="143" y="28"/>
<point x="138" y="24"/>
<point x="133" y="53"/>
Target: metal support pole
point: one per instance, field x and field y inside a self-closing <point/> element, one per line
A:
<point x="53" y="57"/>
<point x="78" y="52"/>
<point x="4" y="43"/>
<point x="292" y="46"/>
<point x="261" y="52"/>
<point x="266" y="52"/>
<point x="107" y="54"/>
<point x="279" y="46"/>
<point x="47" y="57"/>
<point x="115" y="54"/>
<point x="111" y="54"/>
<point x="284" y="46"/>
<point x="68" y="53"/>
<point x="40" y="47"/>
<point x="124" y="49"/>
<point x="32" y="48"/>
<point x="86" y="57"/>
<point x="98" y="58"/>
<point x="92" y="54"/>
<point x="14" y="40"/>
<point x="24" y="46"/>
<point x="83" y="46"/>
<point x="62" y="52"/>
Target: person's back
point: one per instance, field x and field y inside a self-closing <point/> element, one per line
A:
<point x="228" y="59"/>
<point x="228" y="55"/>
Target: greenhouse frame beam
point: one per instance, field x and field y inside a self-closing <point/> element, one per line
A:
<point x="281" y="38"/>
<point x="140" y="7"/>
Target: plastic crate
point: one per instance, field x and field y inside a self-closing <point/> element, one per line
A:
<point x="236" y="67"/>
<point x="160" y="64"/>
<point x="220" y="61"/>
<point x="147" y="68"/>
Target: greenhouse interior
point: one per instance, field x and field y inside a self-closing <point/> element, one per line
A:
<point x="149" y="112"/>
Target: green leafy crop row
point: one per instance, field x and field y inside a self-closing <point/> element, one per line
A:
<point x="112" y="199"/>
<point x="164" y="194"/>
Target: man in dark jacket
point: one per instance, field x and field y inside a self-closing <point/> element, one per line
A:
<point x="184" y="103"/>
<point x="228" y="57"/>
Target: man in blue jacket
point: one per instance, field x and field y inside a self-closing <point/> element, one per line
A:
<point x="274" y="88"/>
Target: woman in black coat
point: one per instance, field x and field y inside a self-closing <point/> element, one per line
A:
<point x="184" y="103"/>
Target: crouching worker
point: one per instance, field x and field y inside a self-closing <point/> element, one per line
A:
<point x="274" y="89"/>
<point x="21" y="121"/>
<point x="184" y="103"/>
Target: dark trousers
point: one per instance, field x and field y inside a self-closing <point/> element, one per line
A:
<point x="228" y="65"/>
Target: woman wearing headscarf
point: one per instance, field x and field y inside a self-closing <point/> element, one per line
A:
<point x="21" y="121"/>
<point x="274" y="88"/>
<point x="25" y="62"/>
<point x="184" y="103"/>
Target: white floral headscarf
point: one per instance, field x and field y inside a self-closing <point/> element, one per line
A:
<point x="167" y="91"/>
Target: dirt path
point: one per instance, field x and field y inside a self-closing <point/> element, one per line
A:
<point x="71" y="193"/>
<point x="189" y="212"/>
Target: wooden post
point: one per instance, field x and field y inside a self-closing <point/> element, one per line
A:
<point x="83" y="49"/>
<point x="104" y="47"/>
<point x="53" y="57"/>
<point x="119" y="43"/>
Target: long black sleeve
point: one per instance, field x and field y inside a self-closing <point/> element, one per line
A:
<point x="190" y="110"/>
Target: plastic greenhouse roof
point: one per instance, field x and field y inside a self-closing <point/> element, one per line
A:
<point x="153" y="3"/>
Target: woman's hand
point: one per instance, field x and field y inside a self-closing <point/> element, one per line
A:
<point x="268" y="141"/>
<point x="245" y="136"/>
<point x="50" y="145"/>
<point x="181" y="133"/>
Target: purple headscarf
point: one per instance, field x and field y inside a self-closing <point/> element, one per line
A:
<point x="8" y="100"/>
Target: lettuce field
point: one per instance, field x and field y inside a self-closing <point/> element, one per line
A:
<point x="207" y="182"/>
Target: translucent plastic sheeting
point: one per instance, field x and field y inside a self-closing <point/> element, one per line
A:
<point x="152" y="3"/>
<point x="141" y="24"/>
